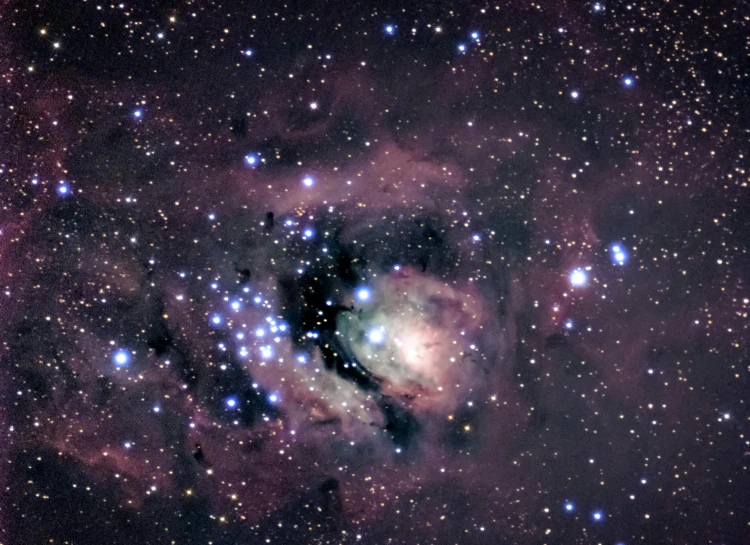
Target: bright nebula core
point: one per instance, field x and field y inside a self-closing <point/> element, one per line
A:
<point x="399" y="273"/>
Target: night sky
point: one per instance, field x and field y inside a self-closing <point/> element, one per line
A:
<point x="401" y="273"/>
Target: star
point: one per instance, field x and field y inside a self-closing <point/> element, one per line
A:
<point x="578" y="278"/>
<point x="376" y="336"/>
<point x="121" y="358"/>
<point x="619" y="253"/>
<point x="364" y="294"/>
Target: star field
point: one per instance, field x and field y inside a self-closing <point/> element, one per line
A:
<point x="386" y="273"/>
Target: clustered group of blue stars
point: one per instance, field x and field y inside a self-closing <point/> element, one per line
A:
<point x="264" y="335"/>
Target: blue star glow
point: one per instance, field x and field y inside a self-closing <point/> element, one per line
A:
<point x="578" y="278"/>
<point x="138" y="114"/>
<point x="251" y="160"/>
<point x="569" y="507"/>
<point x="597" y="515"/>
<point x="619" y="253"/>
<point x="628" y="81"/>
<point x="364" y="294"/>
<point x="376" y="336"/>
<point x="390" y="30"/>
<point x="121" y="358"/>
<point x="216" y="319"/>
<point x="231" y="402"/>
<point x="273" y="398"/>
<point x="308" y="181"/>
<point x="63" y="189"/>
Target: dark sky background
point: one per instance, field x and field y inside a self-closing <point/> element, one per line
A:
<point x="398" y="273"/>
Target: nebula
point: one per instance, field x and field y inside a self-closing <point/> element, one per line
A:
<point x="423" y="273"/>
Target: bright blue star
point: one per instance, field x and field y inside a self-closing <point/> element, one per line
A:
<point x="231" y="402"/>
<point x="597" y="515"/>
<point x="308" y="181"/>
<point x="251" y="160"/>
<point x="598" y="7"/>
<point x="569" y="507"/>
<point x="619" y="253"/>
<point x="569" y="324"/>
<point x="121" y="357"/>
<point x="475" y="36"/>
<point x="376" y="336"/>
<point x="138" y="114"/>
<point x="302" y="359"/>
<point x="628" y="81"/>
<point x="390" y="29"/>
<point x="63" y="189"/>
<point x="273" y="398"/>
<point x="236" y="305"/>
<point x="216" y="319"/>
<point x="308" y="233"/>
<point x="248" y="52"/>
<point x="364" y="294"/>
<point x="578" y="277"/>
<point x="462" y="48"/>
<point x="266" y="352"/>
